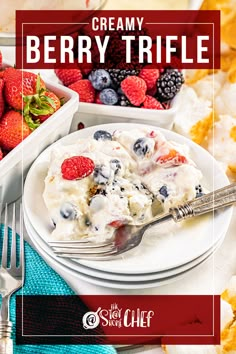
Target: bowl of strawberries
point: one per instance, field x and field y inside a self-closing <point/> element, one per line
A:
<point x="33" y="114"/>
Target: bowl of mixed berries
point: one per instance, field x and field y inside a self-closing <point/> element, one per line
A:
<point x="111" y="95"/>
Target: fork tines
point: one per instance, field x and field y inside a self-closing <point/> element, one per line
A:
<point x="83" y="249"/>
<point x="4" y="218"/>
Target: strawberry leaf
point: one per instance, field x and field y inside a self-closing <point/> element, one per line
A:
<point x="31" y="123"/>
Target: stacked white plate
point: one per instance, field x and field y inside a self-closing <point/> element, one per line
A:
<point x="166" y="253"/>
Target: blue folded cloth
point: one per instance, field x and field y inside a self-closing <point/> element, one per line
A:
<point x="40" y="279"/>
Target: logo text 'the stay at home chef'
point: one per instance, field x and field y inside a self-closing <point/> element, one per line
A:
<point x="117" y="317"/>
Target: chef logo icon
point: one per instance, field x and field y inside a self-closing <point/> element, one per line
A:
<point x="91" y="319"/>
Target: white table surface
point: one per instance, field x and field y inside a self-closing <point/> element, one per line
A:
<point x="210" y="278"/>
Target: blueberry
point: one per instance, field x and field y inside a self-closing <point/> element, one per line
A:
<point x="163" y="191"/>
<point x="102" y="135"/>
<point x="199" y="191"/>
<point x="101" y="174"/>
<point x="115" y="165"/>
<point x="100" y="79"/>
<point x="141" y="147"/>
<point x="68" y="211"/>
<point x="97" y="203"/>
<point x="109" y="96"/>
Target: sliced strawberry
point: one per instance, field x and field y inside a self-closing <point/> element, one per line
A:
<point x="174" y="157"/>
<point x="116" y="223"/>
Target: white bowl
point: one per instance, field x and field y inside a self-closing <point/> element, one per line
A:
<point x="14" y="166"/>
<point x="158" y="251"/>
<point x="93" y="114"/>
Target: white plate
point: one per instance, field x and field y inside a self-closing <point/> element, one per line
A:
<point x="45" y="251"/>
<point x="113" y="276"/>
<point x="181" y="245"/>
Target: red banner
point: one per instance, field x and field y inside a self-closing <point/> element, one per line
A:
<point x="181" y="39"/>
<point x="120" y="319"/>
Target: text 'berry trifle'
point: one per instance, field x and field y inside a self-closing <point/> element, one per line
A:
<point x="108" y="180"/>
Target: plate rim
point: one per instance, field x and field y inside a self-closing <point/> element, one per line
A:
<point x="119" y="285"/>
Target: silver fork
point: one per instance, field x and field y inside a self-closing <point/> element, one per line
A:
<point x="11" y="278"/>
<point x="127" y="237"/>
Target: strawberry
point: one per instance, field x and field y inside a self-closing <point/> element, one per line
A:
<point x="173" y="158"/>
<point x="85" y="90"/>
<point x="116" y="223"/>
<point x="52" y="100"/>
<point x="2" y="103"/>
<point x="135" y="89"/>
<point x="13" y="129"/>
<point x="18" y="83"/>
<point x="77" y="167"/>
<point x="68" y="76"/>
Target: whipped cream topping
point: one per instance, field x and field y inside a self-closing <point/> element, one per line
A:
<point x="131" y="171"/>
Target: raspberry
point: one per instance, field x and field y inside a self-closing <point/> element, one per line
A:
<point x="68" y="76"/>
<point x="1" y="154"/>
<point x="97" y="98"/>
<point x="0" y="59"/>
<point x="150" y="76"/>
<point x="77" y="167"/>
<point x="151" y="103"/>
<point x="152" y="92"/>
<point x="85" y="90"/>
<point x="85" y="68"/>
<point x="135" y="89"/>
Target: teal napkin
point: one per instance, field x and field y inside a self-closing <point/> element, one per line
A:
<point x="40" y="279"/>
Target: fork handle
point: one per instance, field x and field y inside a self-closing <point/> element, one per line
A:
<point x="212" y="201"/>
<point x="6" y="346"/>
<point x="6" y="343"/>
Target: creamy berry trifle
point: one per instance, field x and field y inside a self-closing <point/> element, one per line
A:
<point x="102" y="182"/>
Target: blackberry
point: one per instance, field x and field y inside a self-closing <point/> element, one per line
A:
<point x="124" y="102"/>
<point x="118" y="75"/>
<point x="169" y="84"/>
